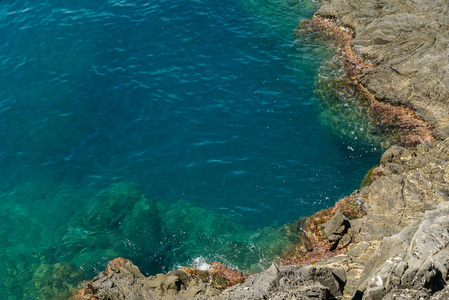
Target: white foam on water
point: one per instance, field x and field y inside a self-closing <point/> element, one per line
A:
<point x="201" y="264"/>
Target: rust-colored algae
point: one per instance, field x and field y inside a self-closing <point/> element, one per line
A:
<point x="313" y="246"/>
<point x="401" y="124"/>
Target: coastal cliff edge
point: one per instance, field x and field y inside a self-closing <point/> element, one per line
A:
<point x="388" y="240"/>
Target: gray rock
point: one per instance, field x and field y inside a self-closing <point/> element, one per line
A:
<point x="404" y="210"/>
<point x="290" y="282"/>
<point x="336" y="226"/>
<point x="408" y="43"/>
<point x="441" y="295"/>
<point x="122" y="280"/>
<point x="335" y="229"/>
<point x="415" y="259"/>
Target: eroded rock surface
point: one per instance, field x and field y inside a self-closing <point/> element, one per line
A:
<point x="290" y="282"/>
<point x="414" y="261"/>
<point x="408" y="44"/>
<point x="336" y="228"/>
<point x="400" y="247"/>
<point x="123" y="280"/>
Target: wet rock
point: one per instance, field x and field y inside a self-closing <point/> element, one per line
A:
<point x="123" y="280"/>
<point x="408" y="44"/>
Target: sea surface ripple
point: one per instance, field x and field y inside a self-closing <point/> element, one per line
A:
<point x="203" y="104"/>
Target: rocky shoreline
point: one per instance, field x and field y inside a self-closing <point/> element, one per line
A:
<point x="407" y="44"/>
<point x="389" y="240"/>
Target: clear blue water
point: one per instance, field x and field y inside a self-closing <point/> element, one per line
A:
<point x="162" y="131"/>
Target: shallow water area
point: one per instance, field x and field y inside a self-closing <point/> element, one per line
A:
<point x="164" y="132"/>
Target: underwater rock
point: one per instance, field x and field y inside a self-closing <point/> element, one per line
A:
<point x="112" y="205"/>
<point x="55" y="281"/>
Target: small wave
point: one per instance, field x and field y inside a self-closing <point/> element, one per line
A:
<point x="201" y="264"/>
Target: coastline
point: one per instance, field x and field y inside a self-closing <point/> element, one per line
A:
<point x="406" y="45"/>
<point x="411" y="128"/>
<point x="391" y="238"/>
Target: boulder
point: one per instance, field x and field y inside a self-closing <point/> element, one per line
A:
<point x="290" y="282"/>
<point x="335" y="229"/>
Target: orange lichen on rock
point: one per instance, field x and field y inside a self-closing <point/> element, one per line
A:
<point x="233" y="276"/>
<point x="116" y="264"/>
<point x="409" y="129"/>
<point x="377" y="172"/>
<point x="219" y="275"/>
<point x="86" y="293"/>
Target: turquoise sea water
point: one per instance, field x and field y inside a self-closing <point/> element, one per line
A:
<point x="166" y="132"/>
